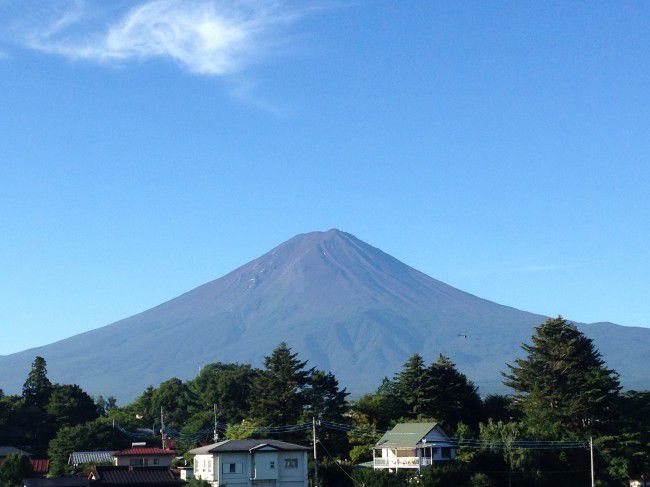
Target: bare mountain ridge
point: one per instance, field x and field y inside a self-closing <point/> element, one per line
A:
<point x="343" y="304"/>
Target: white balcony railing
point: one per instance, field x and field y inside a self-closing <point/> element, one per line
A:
<point x="402" y="462"/>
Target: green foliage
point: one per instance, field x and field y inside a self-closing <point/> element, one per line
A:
<point x="451" y="474"/>
<point x="500" y="433"/>
<point x="449" y="396"/>
<point x="481" y="480"/>
<point x="361" y="453"/>
<point x="104" y="406"/>
<point x="69" y="405"/>
<point x="193" y="482"/>
<point x="563" y="387"/>
<point x="226" y="385"/>
<point x="94" y="435"/>
<point x="174" y="397"/>
<point x="239" y="431"/>
<point x="498" y="408"/>
<point x="334" y="474"/>
<point x="380" y="478"/>
<point x="13" y="470"/>
<point x="280" y="389"/>
<point x="412" y="385"/>
<point x="37" y="387"/>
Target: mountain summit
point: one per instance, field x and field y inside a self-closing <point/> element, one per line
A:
<point x="343" y="304"/>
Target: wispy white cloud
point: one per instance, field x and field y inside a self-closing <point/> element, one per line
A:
<point x="208" y="37"/>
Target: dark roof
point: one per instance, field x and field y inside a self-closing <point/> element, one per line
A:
<point x="247" y="444"/>
<point x="75" y="481"/>
<point x="142" y="450"/>
<point x="150" y="476"/>
<point x="77" y="457"/>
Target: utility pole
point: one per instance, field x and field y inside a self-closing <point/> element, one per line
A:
<point x="314" y="440"/>
<point x="215" y="434"/>
<point x="591" y="457"/>
<point x="162" y="427"/>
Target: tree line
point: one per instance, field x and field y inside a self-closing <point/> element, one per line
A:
<point x="561" y="390"/>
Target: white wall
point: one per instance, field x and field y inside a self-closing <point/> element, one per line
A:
<point x="260" y="470"/>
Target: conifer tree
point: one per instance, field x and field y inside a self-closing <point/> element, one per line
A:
<point x="449" y="396"/>
<point x="37" y="388"/>
<point x="411" y="383"/>
<point x="280" y="388"/>
<point x="563" y="385"/>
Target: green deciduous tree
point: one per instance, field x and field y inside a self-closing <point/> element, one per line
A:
<point x="14" y="469"/>
<point x="563" y="386"/>
<point x="69" y="405"/>
<point x="94" y="435"/>
<point x="226" y="385"/>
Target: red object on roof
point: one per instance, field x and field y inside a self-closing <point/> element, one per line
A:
<point x="143" y="451"/>
<point x="40" y="465"/>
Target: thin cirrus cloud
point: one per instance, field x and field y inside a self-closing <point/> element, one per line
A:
<point x="207" y="37"/>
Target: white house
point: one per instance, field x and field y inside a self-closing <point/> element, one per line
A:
<point x="252" y="463"/>
<point x="413" y="446"/>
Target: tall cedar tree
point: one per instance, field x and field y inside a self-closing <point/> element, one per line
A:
<point x="411" y="383"/>
<point x="37" y="388"/>
<point x="280" y="388"/>
<point x="563" y="385"/>
<point x="449" y="396"/>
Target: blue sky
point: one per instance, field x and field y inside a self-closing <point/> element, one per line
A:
<point x="148" y="147"/>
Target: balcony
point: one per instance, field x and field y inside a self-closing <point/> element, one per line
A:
<point x="401" y="462"/>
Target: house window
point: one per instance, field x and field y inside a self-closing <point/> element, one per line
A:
<point x="290" y="463"/>
<point x="136" y="462"/>
<point x="156" y="461"/>
<point x="230" y="468"/>
<point x="272" y="465"/>
<point x="445" y="452"/>
<point x="210" y="465"/>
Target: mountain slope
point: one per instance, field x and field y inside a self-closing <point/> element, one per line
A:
<point x="343" y="304"/>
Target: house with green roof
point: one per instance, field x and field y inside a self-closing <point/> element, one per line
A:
<point x="413" y="446"/>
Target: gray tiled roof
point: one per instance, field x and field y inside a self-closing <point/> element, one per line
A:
<point x="246" y="445"/>
<point x="78" y="457"/>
